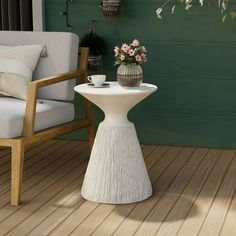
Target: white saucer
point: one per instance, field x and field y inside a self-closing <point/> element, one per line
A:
<point x="104" y="85"/>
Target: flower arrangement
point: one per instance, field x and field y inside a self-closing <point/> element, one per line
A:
<point x="132" y="53"/>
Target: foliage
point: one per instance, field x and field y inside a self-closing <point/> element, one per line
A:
<point x="226" y="9"/>
<point x="96" y="43"/>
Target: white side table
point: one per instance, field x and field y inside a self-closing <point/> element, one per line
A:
<point x="116" y="172"/>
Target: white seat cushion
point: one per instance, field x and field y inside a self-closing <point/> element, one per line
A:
<point x="48" y="114"/>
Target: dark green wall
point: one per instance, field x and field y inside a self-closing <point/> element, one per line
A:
<point x="191" y="57"/>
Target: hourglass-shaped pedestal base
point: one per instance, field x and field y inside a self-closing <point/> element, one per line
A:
<point x="116" y="171"/>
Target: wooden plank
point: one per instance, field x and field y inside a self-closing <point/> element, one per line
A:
<point x="50" y="218"/>
<point x="216" y="214"/>
<point x="4" y="154"/>
<point x="93" y="220"/>
<point x="147" y="150"/>
<point x="3" y="150"/>
<point x="44" y="152"/>
<point x="155" y="156"/>
<point x="229" y="227"/>
<point x="17" y="161"/>
<point x="196" y="216"/>
<point x="66" y="201"/>
<point x="43" y="206"/>
<point x="112" y="221"/>
<point x="5" y="158"/>
<point x="165" y="177"/>
<point x="178" y="212"/>
<point x="54" y="205"/>
<point x="37" y="183"/>
<point x="36" y="164"/>
<point x="51" y="185"/>
<point x="163" y="206"/>
<point x="78" y="216"/>
<point x="32" y="163"/>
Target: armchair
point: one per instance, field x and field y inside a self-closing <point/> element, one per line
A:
<point x="46" y="113"/>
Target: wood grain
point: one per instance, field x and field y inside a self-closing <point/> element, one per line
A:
<point x="194" y="194"/>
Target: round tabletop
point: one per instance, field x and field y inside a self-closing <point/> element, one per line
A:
<point x="115" y="89"/>
<point x="114" y="99"/>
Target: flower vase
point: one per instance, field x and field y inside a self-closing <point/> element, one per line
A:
<point x="129" y="75"/>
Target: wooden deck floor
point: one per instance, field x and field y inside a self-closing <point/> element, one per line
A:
<point x="194" y="194"/>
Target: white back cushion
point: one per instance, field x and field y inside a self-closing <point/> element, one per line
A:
<point x="62" y="56"/>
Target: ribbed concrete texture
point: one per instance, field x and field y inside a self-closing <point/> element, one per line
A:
<point x="116" y="172"/>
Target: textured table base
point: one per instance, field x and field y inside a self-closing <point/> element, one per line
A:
<point x="116" y="171"/>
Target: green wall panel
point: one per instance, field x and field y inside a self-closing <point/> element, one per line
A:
<point x="191" y="57"/>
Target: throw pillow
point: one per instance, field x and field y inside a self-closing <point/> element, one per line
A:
<point x="17" y="64"/>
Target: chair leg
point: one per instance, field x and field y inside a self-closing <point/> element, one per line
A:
<point x="89" y="116"/>
<point x="16" y="171"/>
<point x="87" y="103"/>
<point x="91" y="136"/>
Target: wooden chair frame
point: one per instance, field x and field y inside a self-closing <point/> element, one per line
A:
<point x="29" y="137"/>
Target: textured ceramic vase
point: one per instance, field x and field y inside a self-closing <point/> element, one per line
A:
<point x="129" y="75"/>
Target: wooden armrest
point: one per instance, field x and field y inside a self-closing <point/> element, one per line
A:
<point x="68" y="75"/>
<point x="29" y="119"/>
<point x="56" y="79"/>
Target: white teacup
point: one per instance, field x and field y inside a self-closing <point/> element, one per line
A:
<point x="97" y="80"/>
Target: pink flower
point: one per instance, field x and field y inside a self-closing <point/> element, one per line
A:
<point x="138" y="58"/>
<point x="122" y="57"/>
<point x="144" y="49"/>
<point x="125" y="47"/>
<point x="116" y="49"/>
<point x="144" y="58"/>
<point x="131" y="52"/>
<point x="135" y="43"/>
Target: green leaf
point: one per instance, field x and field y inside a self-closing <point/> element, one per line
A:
<point x="233" y="14"/>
